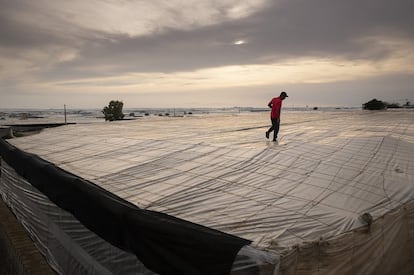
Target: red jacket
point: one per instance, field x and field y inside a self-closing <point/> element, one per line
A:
<point x="276" y="105"/>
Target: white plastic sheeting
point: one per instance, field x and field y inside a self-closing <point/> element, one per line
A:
<point x="69" y="246"/>
<point x="302" y="197"/>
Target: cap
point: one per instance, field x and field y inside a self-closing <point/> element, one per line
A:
<point x="283" y="94"/>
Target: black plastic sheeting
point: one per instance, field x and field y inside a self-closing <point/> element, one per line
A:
<point x="163" y="243"/>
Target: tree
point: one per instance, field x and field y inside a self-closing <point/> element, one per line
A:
<point x="374" y="105"/>
<point x="113" y="111"/>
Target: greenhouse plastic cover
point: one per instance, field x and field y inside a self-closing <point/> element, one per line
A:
<point x="341" y="180"/>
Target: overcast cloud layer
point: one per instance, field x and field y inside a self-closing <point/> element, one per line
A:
<point x="205" y="53"/>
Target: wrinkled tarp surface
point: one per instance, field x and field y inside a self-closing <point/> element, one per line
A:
<point x="310" y="188"/>
<point x="165" y="244"/>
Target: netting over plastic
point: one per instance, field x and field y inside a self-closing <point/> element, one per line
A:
<point x="326" y="171"/>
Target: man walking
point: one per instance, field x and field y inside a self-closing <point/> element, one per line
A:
<point x="276" y="105"/>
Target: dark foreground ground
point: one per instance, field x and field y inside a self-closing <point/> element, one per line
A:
<point x="18" y="254"/>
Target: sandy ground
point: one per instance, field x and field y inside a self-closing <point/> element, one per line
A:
<point x="18" y="253"/>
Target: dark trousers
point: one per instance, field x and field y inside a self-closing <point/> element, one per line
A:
<point x="274" y="128"/>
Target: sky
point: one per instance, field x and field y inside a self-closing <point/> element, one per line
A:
<point x="218" y="53"/>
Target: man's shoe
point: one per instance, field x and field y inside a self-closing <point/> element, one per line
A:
<point x="267" y="135"/>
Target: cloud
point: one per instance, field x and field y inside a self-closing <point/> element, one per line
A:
<point x="305" y="70"/>
<point x="102" y="46"/>
<point x="134" y="18"/>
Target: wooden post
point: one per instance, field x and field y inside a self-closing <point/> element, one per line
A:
<point x="64" y="107"/>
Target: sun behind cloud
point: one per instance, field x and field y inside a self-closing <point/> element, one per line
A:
<point x="239" y="42"/>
